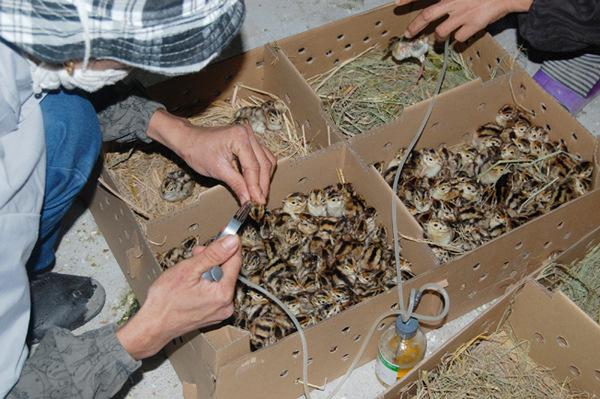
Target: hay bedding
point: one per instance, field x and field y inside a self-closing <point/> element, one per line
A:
<point x="138" y="170"/>
<point x="580" y="282"/>
<point x="496" y="367"/>
<point x="369" y="91"/>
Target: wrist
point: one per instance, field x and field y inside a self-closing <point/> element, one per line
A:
<point x="169" y="130"/>
<point x="518" y="5"/>
<point x="139" y="338"/>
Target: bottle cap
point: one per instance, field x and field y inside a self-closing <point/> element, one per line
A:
<point x="406" y="329"/>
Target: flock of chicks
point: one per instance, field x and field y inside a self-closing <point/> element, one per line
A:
<point x="319" y="253"/>
<point x="266" y="118"/>
<point x="470" y="193"/>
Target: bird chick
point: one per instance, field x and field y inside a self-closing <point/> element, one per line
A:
<point x="317" y="204"/>
<point x="430" y="163"/>
<point x="267" y="117"/>
<point x="439" y="232"/>
<point x="335" y="204"/>
<point x="402" y="50"/>
<point x="506" y="115"/>
<point x="176" y="186"/>
<point x="444" y="191"/>
<point x="294" y="204"/>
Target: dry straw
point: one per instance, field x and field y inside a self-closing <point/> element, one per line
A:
<point x="138" y="171"/>
<point x="579" y="281"/>
<point x="370" y="90"/>
<point x="495" y="366"/>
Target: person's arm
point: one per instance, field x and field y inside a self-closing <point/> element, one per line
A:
<point x="213" y="152"/>
<point x="97" y="363"/>
<point x="464" y="17"/>
<point x="561" y="26"/>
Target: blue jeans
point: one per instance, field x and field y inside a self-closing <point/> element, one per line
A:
<point x="73" y="142"/>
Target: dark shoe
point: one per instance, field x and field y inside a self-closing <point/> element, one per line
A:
<point x="63" y="300"/>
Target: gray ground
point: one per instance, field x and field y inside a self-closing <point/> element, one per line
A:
<point x="83" y="249"/>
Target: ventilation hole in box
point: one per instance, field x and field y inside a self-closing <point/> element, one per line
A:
<point x="483" y="277"/>
<point x="310" y="60"/>
<point x="525" y="255"/>
<point x="336" y="62"/>
<point x="472" y="294"/>
<point x="519" y="245"/>
<point x="567" y="236"/>
<point x="522" y="90"/>
<point x="378" y="23"/>
<point x="301" y="50"/>
<point x="287" y="99"/>
<point x="100" y="206"/>
<point x="562" y="342"/>
<point x="574" y="136"/>
<point x="303" y="180"/>
<point x="193" y="227"/>
<point x="310" y="360"/>
<point x="346" y="330"/>
<point x="357" y="338"/>
<point x="295" y="354"/>
<point x="106" y="201"/>
<point x="126" y="234"/>
<point x="333" y="349"/>
<point x="328" y="53"/>
<point x="476" y="266"/>
<point x="116" y="216"/>
<point x="548" y="127"/>
<point x="547" y="244"/>
<point x="345" y="357"/>
<point x="381" y="326"/>
<point x="120" y="239"/>
<point x="283" y="373"/>
<point x="574" y="370"/>
<point x="505" y="265"/>
<point x="533" y="113"/>
<point x="597" y="374"/>
<point x="387" y="145"/>
<point x="513" y="274"/>
<point x="560" y="225"/>
<point x="384" y="33"/>
<point x="366" y="39"/>
<point x="489" y="67"/>
<point x="348" y="46"/>
<point x="578" y="156"/>
<point x="539" y="338"/>
<point x="394" y="306"/>
<point x="260" y="64"/>
<point x="340" y="36"/>
<point x="434" y="125"/>
<point x="481" y="107"/>
<point x="463" y="286"/>
<point x="543" y="106"/>
<point x="121" y="211"/>
<point x="478" y="54"/>
<point x="497" y="60"/>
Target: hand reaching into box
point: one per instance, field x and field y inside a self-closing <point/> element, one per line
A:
<point x="465" y="17"/>
<point x="180" y="301"/>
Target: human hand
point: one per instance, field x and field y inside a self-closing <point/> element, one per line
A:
<point x="180" y="301"/>
<point x="466" y="17"/>
<point x="215" y="152"/>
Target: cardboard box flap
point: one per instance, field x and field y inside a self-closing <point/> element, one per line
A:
<point x="224" y="345"/>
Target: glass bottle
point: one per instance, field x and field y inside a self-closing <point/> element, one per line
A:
<point x="401" y="347"/>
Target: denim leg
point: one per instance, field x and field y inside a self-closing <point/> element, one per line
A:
<point x="73" y="142"/>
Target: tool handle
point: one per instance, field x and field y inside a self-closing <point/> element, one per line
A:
<point x="213" y="274"/>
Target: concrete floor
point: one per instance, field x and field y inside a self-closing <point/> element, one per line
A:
<point x="84" y="251"/>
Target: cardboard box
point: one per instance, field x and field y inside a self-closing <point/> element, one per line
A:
<point x="320" y="49"/>
<point x="219" y="364"/>
<point x="265" y="68"/>
<point x="559" y="338"/>
<point x="459" y="112"/>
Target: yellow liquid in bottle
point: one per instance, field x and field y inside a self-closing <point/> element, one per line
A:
<point x="409" y="352"/>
